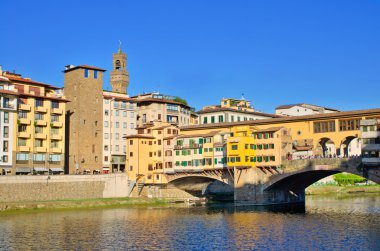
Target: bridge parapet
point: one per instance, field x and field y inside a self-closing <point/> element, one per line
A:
<point x="320" y="164"/>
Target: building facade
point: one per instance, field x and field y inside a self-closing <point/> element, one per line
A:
<point x="370" y="137"/>
<point x="156" y="107"/>
<point x="8" y="118"/>
<point x="84" y="115"/>
<point x="230" y="110"/>
<point x="150" y="153"/>
<point x="302" y="110"/>
<point x="39" y="128"/>
<point x="119" y="120"/>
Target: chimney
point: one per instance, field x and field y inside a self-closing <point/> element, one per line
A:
<point x="69" y="66"/>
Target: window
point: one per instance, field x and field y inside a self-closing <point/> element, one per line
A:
<point x="106" y="112"/>
<point x="232" y="118"/>
<point x="117" y="124"/>
<point x="5" y="146"/>
<point x="86" y="73"/>
<point x="54" y="118"/>
<point x="21" y="142"/>
<point x="117" y="136"/>
<point x="6" y="132"/>
<point x="54" y="131"/>
<point x="117" y="113"/>
<point x="132" y="126"/>
<point x="204" y="120"/>
<point x="171" y="107"/>
<point x="124" y="113"/>
<point x="38" y="157"/>
<point x="105" y="147"/>
<point x="6" y="117"/>
<point x="39" y="102"/>
<point x="54" y="105"/>
<point x="131" y="142"/>
<point x="132" y="114"/>
<point x="130" y="168"/>
<point x="234" y="147"/>
<point x="95" y="74"/>
<point x="105" y="123"/>
<point x="124" y="124"/>
<point x="22" y="115"/>
<point x="38" y="116"/>
<point x="325" y="126"/>
<point x="124" y="148"/>
<point x="348" y="125"/>
<point x="117" y="148"/>
<point x="54" y="144"/>
<point x="220" y="119"/>
<point x="22" y="128"/>
<point x="38" y="143"/>
<point x="54" y="157"/>
<point x="38" y="129"/>
<point x="212" y="119"/>
<point x="22" y="156"/>
<point x="106" y="136"/>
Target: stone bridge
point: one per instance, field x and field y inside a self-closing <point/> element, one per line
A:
<point x="287" y="184"/>
<point x="201" y="182"/>
<point x="269" y="185"/>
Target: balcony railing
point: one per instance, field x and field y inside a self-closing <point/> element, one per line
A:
<point x="41" y="109"/>
<point x="23" y="135"/>
<point x="56" y="111"/>
<point x="24" y="107"/>
<point x="56" y="124"/>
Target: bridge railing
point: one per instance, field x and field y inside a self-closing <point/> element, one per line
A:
<point x="332" y="162"/>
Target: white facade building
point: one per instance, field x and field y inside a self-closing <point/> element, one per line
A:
<point x="302" y="110"/>
<point x="8" y="113"/>
<point x="119" y="120"/>
<point x="370" y="137"/>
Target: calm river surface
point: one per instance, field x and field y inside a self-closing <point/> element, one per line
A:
<point x="326" y="224"/>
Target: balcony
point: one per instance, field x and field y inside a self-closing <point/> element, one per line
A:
<point x="41" y="109"/>
<point x="40" y="149"/>
<point x="23" y="135"/>
<point x="191" y="146"/>
<point x="56" y="111"/>
<point x="56" y="137"/>
<point x="24" y="107"/>
<point x="40" y="136"/>
<point x="41" y="122"/>
<point x="24" y="121"/>
<point x="56" y="124"/>
<point x="24" y="148"/>
<point x="56" y="150"/>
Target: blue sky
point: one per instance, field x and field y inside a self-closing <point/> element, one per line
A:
<point x="275" y="52"/>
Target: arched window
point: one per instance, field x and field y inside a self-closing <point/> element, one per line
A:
<point x="118" y="65"/>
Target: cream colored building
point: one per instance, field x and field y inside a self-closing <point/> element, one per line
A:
<point x="156" y="107"/>
<point x="230" y="110"/>
<point x="8" y="120"/>
<point x="119" y="120"/>
<point x="370" y="136"/>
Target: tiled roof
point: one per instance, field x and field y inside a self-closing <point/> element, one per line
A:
<point x="109" y="96"/>
<point x="159" y="100"/>
<point x="321" y="116"/>
<point x="138" y="136"/>
<point x="302" y="104"/>
<point x="222" y="109"/>
<point x="29" y="81"/>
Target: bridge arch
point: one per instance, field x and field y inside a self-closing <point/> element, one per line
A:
<point x="349" y="146"/>
<point x="325" y="147"/>
<point x="201" y="185"/>
<point x="298" y="181"/>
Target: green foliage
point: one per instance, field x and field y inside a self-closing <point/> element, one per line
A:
<point x="181" y="100"/>
<point x="344" y="179"/>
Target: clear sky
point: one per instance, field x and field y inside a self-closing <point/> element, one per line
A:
<point x="321" y="52"/>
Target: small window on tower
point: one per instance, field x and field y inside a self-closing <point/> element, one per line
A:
<point x="95" y="74"/>
<point x="118" y="65"/>
<point x="86" y="73"/>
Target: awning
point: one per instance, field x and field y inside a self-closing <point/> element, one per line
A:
<point x="40" y="169"/>
<point x="106" y="168"/>
<point x="23" y="170"/>
<point x="56" y="169"/>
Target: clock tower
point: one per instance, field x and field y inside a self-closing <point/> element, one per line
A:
<point x="119" y="73"/>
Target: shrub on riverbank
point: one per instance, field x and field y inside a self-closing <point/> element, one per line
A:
<point x="344" y="179"/>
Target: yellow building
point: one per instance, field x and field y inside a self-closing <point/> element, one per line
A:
<point x="150" y="153"/>
<point x="241" y="147"/>
<point x="38" y="141"/>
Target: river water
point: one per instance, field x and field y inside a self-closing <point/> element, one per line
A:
<point x="326" y="223"/>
